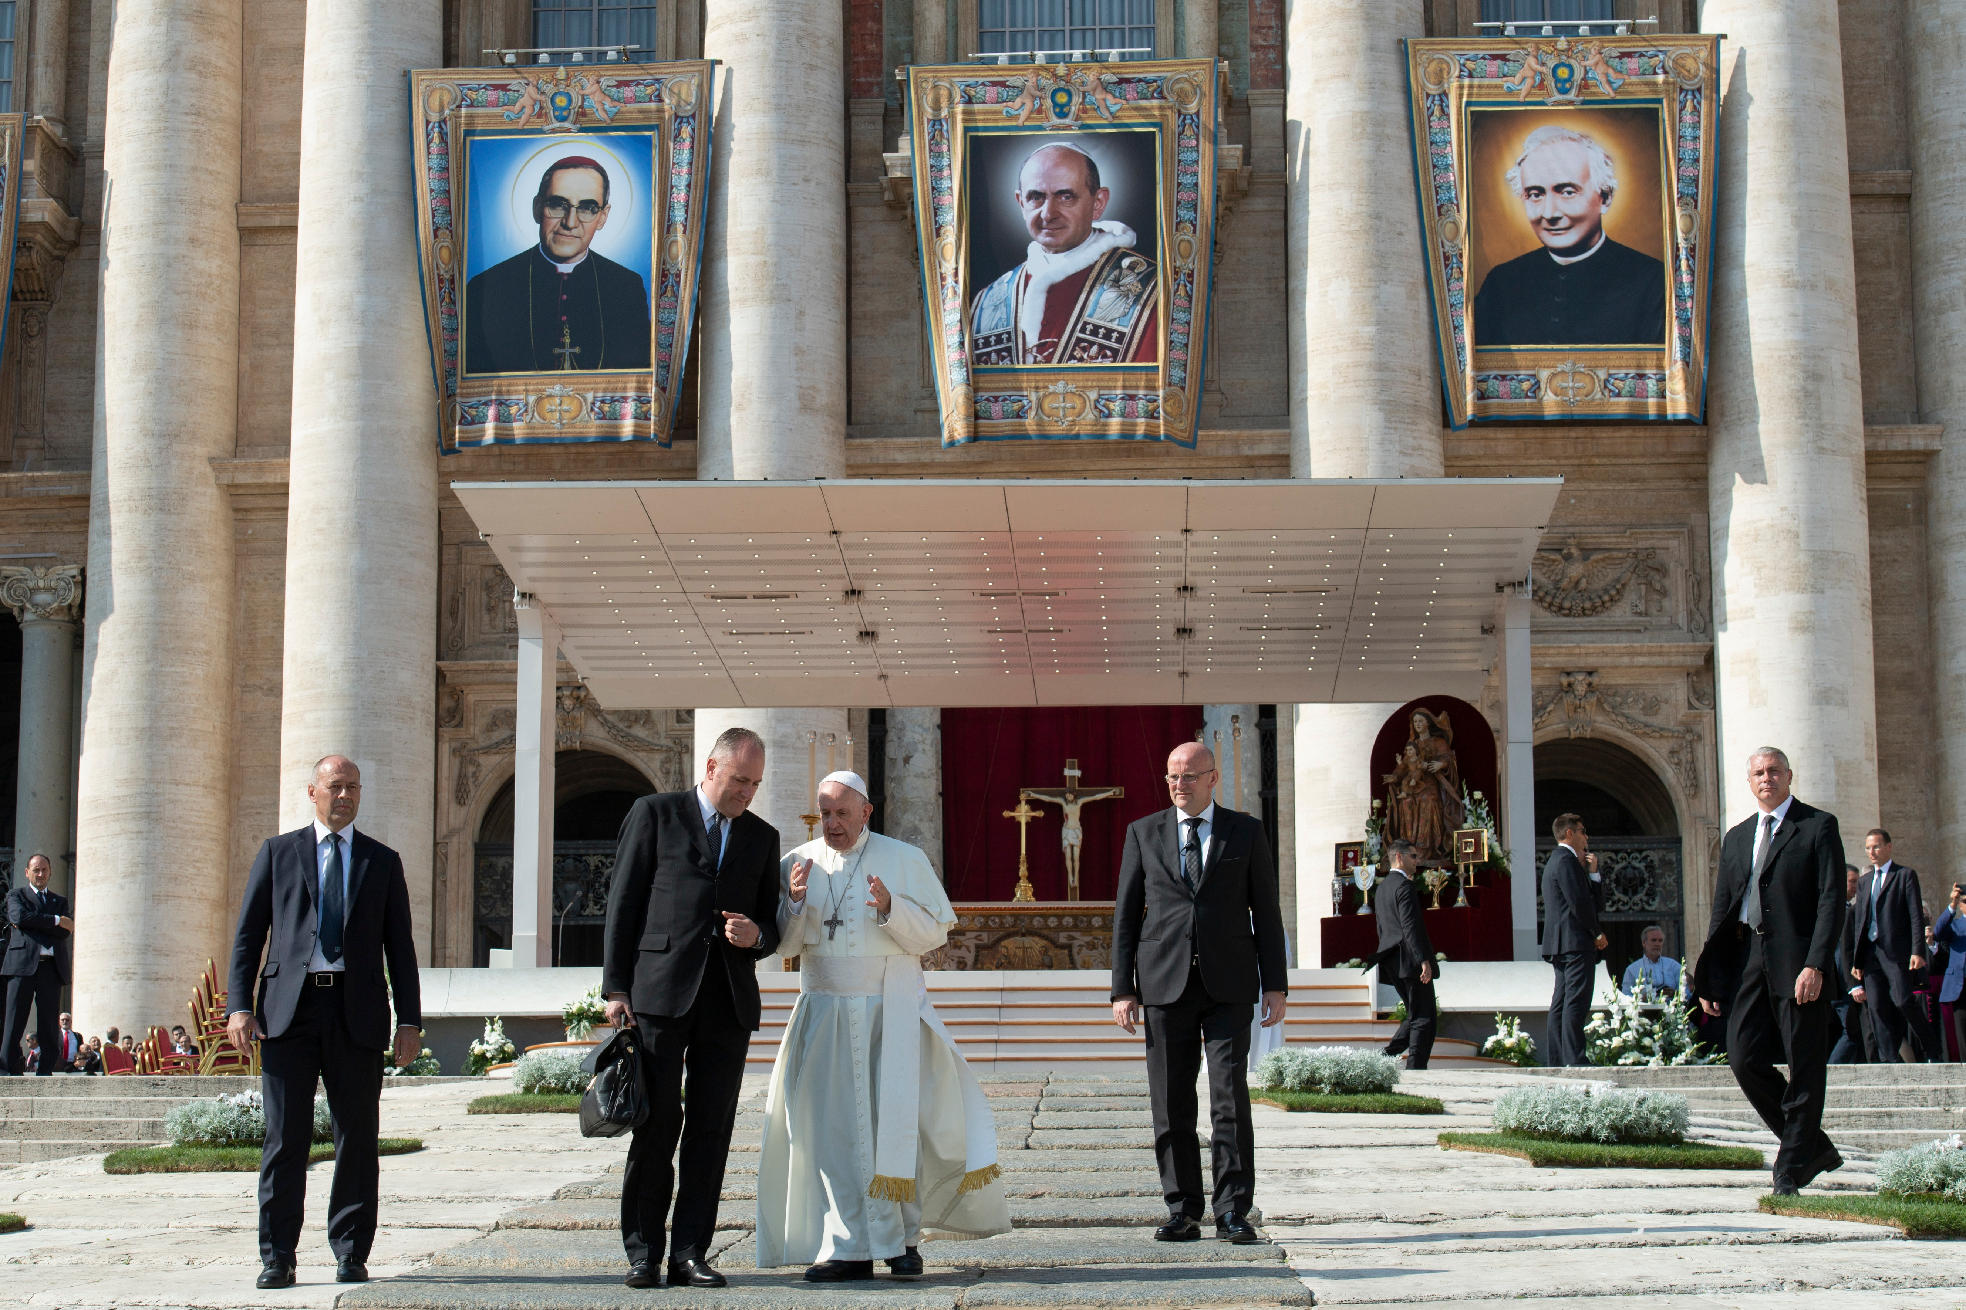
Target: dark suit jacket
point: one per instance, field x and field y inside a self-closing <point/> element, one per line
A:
<point x="1900" y="931"/>
<point x="666" y="903"/>
<point x="1801" y="904"/>
<point x="1616" y="296"/>
<point x="606" y="315"/>
<point x="1403" y="942"/>
<point x="1232" y="921"/>
<point x="279" y="916"/>
<point x="34" y="927"/>
<point x="1569" y="905"/>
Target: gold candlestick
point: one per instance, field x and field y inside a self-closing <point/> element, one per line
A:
<point x="811" y="821"/>
<point x="1023" y="814"/>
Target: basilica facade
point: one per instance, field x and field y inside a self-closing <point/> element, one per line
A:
<point x="228" y="543"/>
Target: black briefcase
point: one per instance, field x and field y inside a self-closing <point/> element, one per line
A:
<point x="616" y="1101"/>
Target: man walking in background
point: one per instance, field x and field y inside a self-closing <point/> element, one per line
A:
<point x="1406" y="955"/>
<point x="1571" y="937"/>
<point x="1887" y="936"/>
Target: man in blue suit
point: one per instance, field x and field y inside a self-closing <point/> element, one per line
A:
<point x="1571" y="937"/>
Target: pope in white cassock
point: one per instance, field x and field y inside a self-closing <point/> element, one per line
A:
<point x="874" y="1130"/>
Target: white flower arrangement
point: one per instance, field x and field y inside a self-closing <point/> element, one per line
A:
<point x="1509" y="1042"/>
<point x="492" y="1048"/>
<point x="549" y="1071"/>
<point x="1631" y="1032"/>
<point x="584" y="1015"/>
<point x="238" y="1119"/>
<point x="1342" y="1070"/>
<point x="1936" y="1167"/>
<point x="1593" y="1113"/>
<point x="425" y="1065"/>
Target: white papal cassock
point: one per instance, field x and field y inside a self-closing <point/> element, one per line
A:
<point x="874" y="1131"/>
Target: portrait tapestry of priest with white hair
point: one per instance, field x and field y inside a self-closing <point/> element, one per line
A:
<point x="875" y="1128"/>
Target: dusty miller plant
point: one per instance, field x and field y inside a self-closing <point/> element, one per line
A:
<point x="1936" y="1167"/>
<point x="548" y="1071"/>
<point x="1342" y="1070"/>
<point x="1593" y="1113"/>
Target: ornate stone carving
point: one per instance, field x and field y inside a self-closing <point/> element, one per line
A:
<point x="1636" y="711"/>
<point x="570" y="704"/>
<point x="1572" y="584"/>
<point x="42" y="593"/>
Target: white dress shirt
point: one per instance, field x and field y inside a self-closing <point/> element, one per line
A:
<point x="317" y="962"/>
<point x="1204" y="834"/>
<point x="1764" y="831"/>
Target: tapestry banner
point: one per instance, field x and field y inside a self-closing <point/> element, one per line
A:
<point x="1566" y="207"/>
<point x="12" y="134"/>
<point x="560" y="230"/>
<point x="1066" y="216"/>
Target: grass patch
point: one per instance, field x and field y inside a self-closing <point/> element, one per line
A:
<point x="1346" y="1103"/>
<point x="1916" y="1215"/>
<point x="11" y="1223"/>
<point x="1547" y="1152"/>
<point x="526" y="1103"/>
<point x="223" y="1159"/>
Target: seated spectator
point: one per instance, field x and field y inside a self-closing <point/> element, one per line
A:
<point x="1654" y="967"/>
<point x="128" y="1043"/>
<point x="112" y="1038"/>
<point x="70" y="1049"/>
<point x="90" y="1060"/>
<point x="32" y="1046"/>
<point x="181" y="1043"/>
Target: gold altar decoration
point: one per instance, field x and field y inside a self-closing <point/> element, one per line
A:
<point x="1023" y="814"/>
<point x="1070" y="799"/>
<point x="1470" y="853"/>
<point x="1032" y="935"/>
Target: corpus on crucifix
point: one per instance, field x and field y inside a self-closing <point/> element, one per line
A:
<point x="1071" y="798"/>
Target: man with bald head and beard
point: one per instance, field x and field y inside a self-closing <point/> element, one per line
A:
<point x="1083" y="294"/>
<point x="875" y="1128"/>
<point x="1197" y="937"/>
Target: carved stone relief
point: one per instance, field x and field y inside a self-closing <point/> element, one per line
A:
<point x="478" y="618"/>
<point x="1651" y="579"/>
<point x="1580" y="705"/>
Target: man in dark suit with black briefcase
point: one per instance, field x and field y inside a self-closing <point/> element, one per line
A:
<point x="1571" y="938"/>
<point x="330" y="908"/>
<point x="36" y="966"/>
<point x="1406" y="954"/>
<point x="1197" y="933"/>
<point x="692" y="908"/>
<point x="1777" y="914"/>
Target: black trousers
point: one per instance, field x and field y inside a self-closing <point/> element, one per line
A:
<point x="708" y="1045"/>
<point x="42" y="990"/>
<point x="1767" y="1028"/>
<point x="1416" y="1032"/>
<point x="1177" y="1035"/>
<point x="1893" y="1019"/>
<point x="1570" y="1007"/>
<point x="318" y="1047"/>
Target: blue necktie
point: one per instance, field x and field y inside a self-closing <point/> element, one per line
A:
<point x="716" y="831"/>
<point x="1876" y="890"/>
<point x="332" y="912"/>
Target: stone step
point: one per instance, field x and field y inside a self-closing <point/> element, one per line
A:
<point x="86" y="1107"/>
<point x="31" y="1151"/>
<point x="602" y="1214"/>
<point x="1712" y="1075"/>
<point x="46" y="1128"/>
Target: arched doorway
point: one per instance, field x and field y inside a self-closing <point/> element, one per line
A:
<point x="1634" y="831"/>
<point x="591" y="794"/>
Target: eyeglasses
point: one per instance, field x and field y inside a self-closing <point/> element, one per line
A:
<point x="556" y="207"/>
<point x="1189" y="778"/>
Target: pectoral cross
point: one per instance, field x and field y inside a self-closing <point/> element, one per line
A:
<point x="566" y="350"/>
<point x="833" y="924"/>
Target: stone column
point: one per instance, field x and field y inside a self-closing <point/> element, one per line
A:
<point x="1200" y="30"/>
<point x="1218" y="733"/>
<point x="773" y="391"/>
<point x="155" y="783"/>
<point x="932" y="32"/>
<point x="1364" y="396"/>
<point x="48" y="603"/>
<point x="359" y="661"/>
<point x="913" y="804"/>
<point x="47" y="67"/>
<point x="1785" y="480"/>
<point x="1935" y="45"/>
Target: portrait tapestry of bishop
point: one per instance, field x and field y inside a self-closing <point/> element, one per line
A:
<point x="559" y="305"/>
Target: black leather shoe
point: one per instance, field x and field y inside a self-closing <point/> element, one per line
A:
<point x="350" y="1270"/>
<point x="694" y="1273"/>
<point x="643" y="1274"/>
<point x="906" y="1265"/>
<point x="1178" y="1228"/>
<point x="1232" y="1227"/>
<point x="1822" y="1164"/>
<point x="842" y="1271"/>
<point x="277" y="1273"/>
<point x="1785" y="1185"/>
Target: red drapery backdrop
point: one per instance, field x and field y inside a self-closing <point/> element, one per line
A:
<point x="988" y="754"/>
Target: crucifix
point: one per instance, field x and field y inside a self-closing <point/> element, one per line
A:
<point x="1071" y="798"/>
<point x="566" y="350"/>
<point x="1023" y="814"/>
